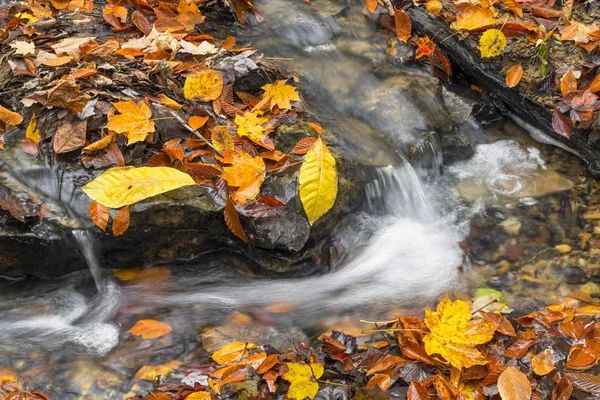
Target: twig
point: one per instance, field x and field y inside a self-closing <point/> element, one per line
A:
<point x="390" y="7"/>
<point x="199" y="136"/>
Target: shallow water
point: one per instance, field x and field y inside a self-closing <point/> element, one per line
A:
<point x="409" y="243"/>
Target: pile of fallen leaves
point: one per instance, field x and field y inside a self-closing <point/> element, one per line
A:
<point x="459" y="351"/>
<point x="147" y="93"/>
<point x="541" y="27"/>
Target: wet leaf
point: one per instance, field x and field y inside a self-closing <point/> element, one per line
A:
<point x="543" y="363"/>
<point x="280" y="94"/>
<point x="32" y="131"/>
<point x="197" y="122"/>
<point x="302" y="383"/>
<point x="371" y="5"/>
<point x="514" y="6"/>
<point x="121" y="221"/>
<point x="381" y="380"/>
<point x="99" y="144"/>
<point x="581" y="358"/>
<point x="268" y="363"/>
<point x="221" y="139"/>
<point x="304" y="145"/>
<point x="123" y="186"/>
<point x="70" y="136"/>
<point x="492" y="43"/>
<point x="562" y="390"/>
<point x="318" y="181"/>
<point x="246" y="174"/>
<point x="416" y="391"/>
<point x="250" y="125"/>
<point x="434" y="6"/>
<point x="595" y="85"/>
<point x="205" y="85"/>
<point x="134" y="121"/>
<point x="199" y="396"/>
<point x="454" y="334"/>
<point x="568" y="83"/>
<point x="514" y="385"/>
<point x="514" y="75"/>
<point x="403" y="25"/>
<point x="99" y="215"/>
<point x="230" y="374"/>
<point x="150" y="329"/>
<point x="561" y="124"/>
<point x="475" y="18"/>
<point x="10" y="117"/>
<point x="588" y="383"/>
<point x="316" y="126"/>
<point x="151" y="372"/>
<point x="232" y="352"/>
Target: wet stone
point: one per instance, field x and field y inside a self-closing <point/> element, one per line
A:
<point x="574" y="275"/>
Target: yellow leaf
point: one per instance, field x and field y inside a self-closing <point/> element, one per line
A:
<point x="151" y="372"/>
<point x="318" y="181"/>
<point x="247" y="174"/>
<point x="250" y="125"/>
<point x="514" y="385"/>
<point x="492" y="43"/>
<point x="221" y="139"/>
<point x="454" y="335"/>
<point x="99" y="144"/>
<point x="543" y="363"/>
<point x="10" y="117"/>
<point x="169" y="102"/>
<point x="205" y="85"/>
<point x="199" y="396"/>
<point x="150" y="329"/>
<point x="122" y="186"/>
<point x="302" y="383"/>
<point x="32" y="131"/>
<point x="280" y="94"/>
<point x="231" y="352"/>
<point x="475" y="18"/>
<point x="134" y="121"/>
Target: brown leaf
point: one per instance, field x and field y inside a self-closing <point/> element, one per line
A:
<point x="304" y="145"/>
<point x="562" y="390"/>
<point x="561" y="124"/>
<point x="514" y="385"/>
<point x="141" y="22"/>
<point x="70" y="136"/>
<point x="403" y="25"/>
<point x="66" y="94"/>
<point x="381" y="380"/>
<point x="229" y="43"/>
<point x="99" y="215"/>
<point x="586" y="382"/>
<point x="568" y="83"/>
<point x="417" y="391"/>
<point x="333" y="346"/>
<point x="595" y="85"/>
<point x="514" y="75"/>
<point x="150" y="329"/>
<point x="519" y="348"/>
<point x="121" y="221"/>
<point x="545" y="12"/>
<point x="503" y="325"/>
<point x="232" y="220"/>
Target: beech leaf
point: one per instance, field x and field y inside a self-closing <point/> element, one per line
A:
<point x="232" y="220"/>
<point x="150" y="329"/>
<point x="121" y="221"/>
<point x="99" y="215"/>
<point x="514" y="385"/>
<point x="514" y="75"/>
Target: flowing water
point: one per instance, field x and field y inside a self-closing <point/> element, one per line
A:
<point x="404" y="247"/>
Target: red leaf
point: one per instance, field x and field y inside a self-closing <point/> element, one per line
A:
<point x="232" y="220"/>
<point x="271" y="201"/>
<point x="99" y="215"/>
<point x="561" y="124"/>
<point x="121" y="221"/>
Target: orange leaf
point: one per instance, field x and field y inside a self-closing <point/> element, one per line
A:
<point x="99" y="215"/>
<point x="561" y="124"/>
<point x="247" y="174"/>
<point x="581" y="358"/>
<point x="595" y="85"/>
<point x="134" y="121"/>
<point x="514" y="385"/>
<point x="232" y="220"/>
<point x="58" y="61"/>
<point x="150" y="329"/>
<point x="10" y="117"/>
<point x="381" y="380"/>
<point x="316" y="126"/>
<point x="514" y="75"/>
<point x="229" y="43"/>
<point x="513" y="6"/>
<point x="99" y="144"/>
<point x="403" y="25"/>
<point x="268" y="363"/>
<point x="563" y="389"/>
<point x="434" y="6"/>
<point x="197" y="122"/>
<point x="121" y="221"/>
<point x="568" y="83"/>
<point x="543" y="363"/>
<point x="371" y="5"/>
<point x="417" y="391"/>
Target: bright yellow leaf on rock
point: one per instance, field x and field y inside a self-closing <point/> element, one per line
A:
<point x="231" y="352"/>
<point x="250" y="125"/>
<point x="492" y="43"/>
<point x="247" y="174"/>
<point x="302" y="381"/>
<point x="454" y="334"/>
<point x="205" y="85"/>
<point x="122" y="186"/>
<point x="281" y="94"/>
<point x="32" y="131"/>
<point x="318" y="181"/>
<point x="134" y="121"/>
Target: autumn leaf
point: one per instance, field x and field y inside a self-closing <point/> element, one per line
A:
<point x="316" y="126"/>
<point x="70" y="136"/>
<point x="115" y="15"/>
<point x="199" y="396"/>
<point x="304" y="145"/>
<point x="99" y="144"/>
<point x="561" y="124"/>
<point x="10" y="117"/>
<point x="454" y="334"/>
<point x="371" y="5"/>
<point x="434" y="6"/>
<point x="492" y="43"/>
<point x="232" y="220"/>
<point x="302" y="381"/>
<point x="221" y="139"/>
<point x="196" y="122"/>
<point x="514" y="385"/>
<point x="403" y="25"/>
<point x="134" y="121"/>
<point x="475" y="18"/>
<point x="229" y="374"/>
<point x="32" y="131"/>
<point x="416" y="391"/>
<point x="234" y="351"/>
<point x="151" y="372"/>
<point x="514" y="75"/>
<point x="123" y="186"/>
<point x="121" y="221"/>
<point x="150" y="329"/>
<point x="205" y="85"/>
<point x="543" y="363"/>
<point x="99" y="215"/>
<point x="23" y="47"/>
<point x="250" y="126"/>
<point x="568" y="83"/>
<point x="246" y="174"/>
<point x="280" y="94"/>
<point x="579" y="32"/>
<point x="589" y="383"/>
<point x="318" y="181"/>
<point x="514" y="6"/>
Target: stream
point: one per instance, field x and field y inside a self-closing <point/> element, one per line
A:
<point x="433" y="221"/>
